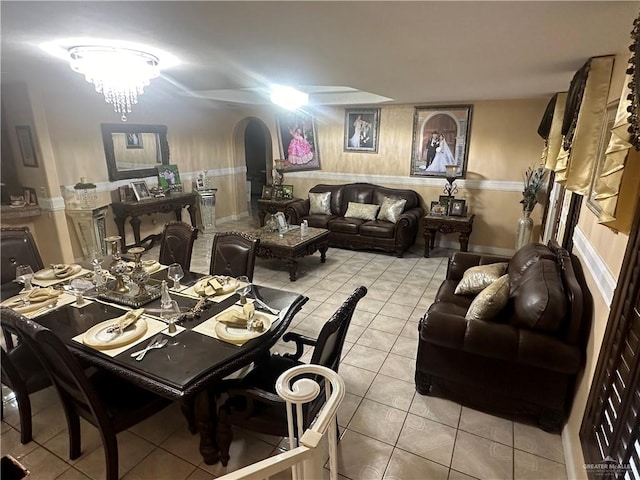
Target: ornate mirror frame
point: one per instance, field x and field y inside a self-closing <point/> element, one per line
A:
<point x="108" y="129"/>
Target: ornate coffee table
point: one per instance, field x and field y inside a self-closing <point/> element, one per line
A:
<point x="291" y="246"/>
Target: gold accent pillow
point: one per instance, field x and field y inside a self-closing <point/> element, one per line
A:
<point x="320" y="203"/>
<point x="364" y="211"/>
<point x="391" y="209"/>
<point x="490" y="301"/>
<point x="476" y="279"/>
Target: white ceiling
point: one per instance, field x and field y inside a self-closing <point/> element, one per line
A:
<point x="409" y="52"/>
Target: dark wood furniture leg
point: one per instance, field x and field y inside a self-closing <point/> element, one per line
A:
<point x="178" y="212"/>
<point x="261" y="215"/>
<point x="293" y="269"/>
<point x="135" y="224"/>
<point x="192" y="214"/>
<point x="464" y="242"/>
<point x="206" y="419"/>
<point x="429" y="239"/>
<point x="323" y="253"/>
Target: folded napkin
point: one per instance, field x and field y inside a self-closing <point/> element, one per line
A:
<point x="37" y="295"/>
<point x="127" y="319"/>
<point x="61" y="270"/>
<point x="238" y="318"/>
<point x="214" y="286"/>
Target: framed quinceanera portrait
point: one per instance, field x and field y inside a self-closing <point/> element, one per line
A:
<point x="298" y="141"/>
<point x="440" y="138"/>
<point x="361" y="128"/>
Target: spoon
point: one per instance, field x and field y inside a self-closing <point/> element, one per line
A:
<point x="142" y="353"/>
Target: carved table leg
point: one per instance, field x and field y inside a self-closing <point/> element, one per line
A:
<point x="135" y="224"/>
<point x="206" y="416"/>
<point x="178" y="212"/>
<point x="261" y="215"/>
<point x="464" y="242"/>
<point x="192" y="214"/>
<point x="293" y="270"/>
<point x="428" y="235"/>
<point x="433" y="238"/>
<point x="323" y="253"/>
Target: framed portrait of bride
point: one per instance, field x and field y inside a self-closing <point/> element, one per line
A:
<point x="361" y="127"/>
<point x="440" y="138"/>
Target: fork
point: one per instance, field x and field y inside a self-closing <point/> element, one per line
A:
<point x="152" y="344"/>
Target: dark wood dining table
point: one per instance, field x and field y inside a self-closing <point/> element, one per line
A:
<point x="189" y="371"/>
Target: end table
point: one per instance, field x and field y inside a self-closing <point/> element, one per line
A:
<point x="446" y="224"/>
<point x="272" y="206"/>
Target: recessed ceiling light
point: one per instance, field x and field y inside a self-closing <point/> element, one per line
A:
<point x="288" y="97"/>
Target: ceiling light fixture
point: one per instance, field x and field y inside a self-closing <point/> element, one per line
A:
<point x="288" y="97"/>
<point x="120" y="74"/>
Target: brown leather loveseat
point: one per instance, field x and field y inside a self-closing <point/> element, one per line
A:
<point x="522" y="363"/>
<point x="355" y="233"/>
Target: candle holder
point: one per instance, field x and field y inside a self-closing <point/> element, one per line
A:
<point x="450" y="188"/>
<point x="278" y="172"/>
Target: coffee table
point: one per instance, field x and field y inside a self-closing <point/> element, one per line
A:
<point x="291" y="245"/>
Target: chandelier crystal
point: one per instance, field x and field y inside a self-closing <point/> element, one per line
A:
<point x="120" y="74"/>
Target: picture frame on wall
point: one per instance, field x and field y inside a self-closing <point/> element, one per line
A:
<point x="140" y="190"/>
<point x="298" y="141"/>
<point x="361" y="130"/>
<point x="27" y="149"/>
<point x="440" y="137"/>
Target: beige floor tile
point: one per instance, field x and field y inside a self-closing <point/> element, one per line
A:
<point x="532" y="467"/>
<point x="397" y="311"/>
<point x="487" y="426"/>
<point x="42" y="464"/>
<point x="482" y="458"/>
<point x="534" y="440"/>
<point x="428" y="439"/>
<point x="184" y="445"/>
<point x="391" y="391"/>
<point x="377" y="339"/>
<point x="354" y="332"/>
<point x="455" y="475"/>
<point x="5" y="427"/>
<point x="199" y="474"/>
<point x="369" y="304"/>
<point x="405" y="346"/>
<point x="72" y="474"/>
<point x="159" y="427"/>
<point x="438" y="409"/>
<point x="10" y="441"/>
<point x="362" y="318"/>
<point x="357" y="380"/>
<point x="378" y="421"/>
<point x="388" y="324"/>
<point x="361" y="457"/>
<point x="245" y="449"/>
<point x="161" y="465"/>
<point x="404" y="297"/>
<point x="90" y="439"/>
<point x="365" y="357"/>
<point x="410" y="330"/>
<point x="347" y="408"/>
<point x="407" y="466"/>
<point x="48" y="423"/>
<point x="399" y="367"/>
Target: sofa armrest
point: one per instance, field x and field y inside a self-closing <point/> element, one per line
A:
<point x="408" y="220"/>
<point x="297" y="210"/>
<point x="459" y="262"/>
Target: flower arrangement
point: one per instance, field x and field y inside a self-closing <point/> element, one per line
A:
<point x="532" y="184"/>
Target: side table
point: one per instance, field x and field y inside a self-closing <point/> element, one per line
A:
<point x="272" y="206"/>
<point x="446" y="224"/>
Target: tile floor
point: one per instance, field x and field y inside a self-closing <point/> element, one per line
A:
<point x="388" y="430"/>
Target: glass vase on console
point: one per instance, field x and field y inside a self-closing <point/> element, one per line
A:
<point x="118" y="266"/>
<point x="139" y="275"/>
<point x="524" y="230"/>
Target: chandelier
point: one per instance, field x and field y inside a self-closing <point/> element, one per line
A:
<point x="120" y="74"/>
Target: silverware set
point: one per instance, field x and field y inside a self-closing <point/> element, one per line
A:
<point x="157" y="342"/>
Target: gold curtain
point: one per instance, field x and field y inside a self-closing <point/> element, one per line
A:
<point x="617" y="188"/>
<point x="554" y="141"/>
<point x="575" y="167"/>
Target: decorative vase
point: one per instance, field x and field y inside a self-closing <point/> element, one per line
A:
<point x="525" y="229"/>
<point x="139" y="275"/>
<point x="118" y="267"/>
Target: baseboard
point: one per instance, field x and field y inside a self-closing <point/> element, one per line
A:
<point x="482" y="249"/>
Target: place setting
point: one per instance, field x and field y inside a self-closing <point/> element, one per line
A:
<point x="57" y="273"/>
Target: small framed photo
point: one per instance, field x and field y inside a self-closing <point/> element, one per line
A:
<point x="140" y="190"/>
<point x="168" y="176"/>
<point x="361" y="128"/>
<point x="134" y="140"/>
<point x="25" y="140"/>
<point x="444" y="201"/>
<point x="456" y="208"/>
<point x="281" y="220"/>
<point x="287" y="191"/>
<point x="30" y="196"/>
<point x="278" y="192"/>
<point x="437" y="209"/>
<point x="267" y="192"/>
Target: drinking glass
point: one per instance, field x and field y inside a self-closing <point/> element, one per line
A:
<point x="244" y="288"/>
<point x="24" y="274"/>
<point x="78" y="286"/>
<point x="170" y="313"/>
<point x="175" y="273"/>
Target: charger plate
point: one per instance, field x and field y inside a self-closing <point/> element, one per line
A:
<point x="229" y="285"/>
<point x="33" y="305"/>
<point x="239" y="334"/>
<point x="49" y="273"/>
<point x="97" y="336"/>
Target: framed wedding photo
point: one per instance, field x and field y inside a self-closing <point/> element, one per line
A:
<point x="361" y="129"/>
<point x="26" y="146"/>
<point x="456" y="207"/>
<point x="140" y="190"/>
<point x="440" y="138"/>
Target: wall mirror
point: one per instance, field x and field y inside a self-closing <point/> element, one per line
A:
<point x="134" y="151"/>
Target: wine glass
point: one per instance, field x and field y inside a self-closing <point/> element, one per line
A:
<point x="175" y="273"/>
<point x="243" y="288"/>
<point x="78" y="286"/>
<point x="24" y="274"/>
<point x="170" y="313"/>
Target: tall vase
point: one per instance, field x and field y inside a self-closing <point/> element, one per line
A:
<point x="525" y="229"/>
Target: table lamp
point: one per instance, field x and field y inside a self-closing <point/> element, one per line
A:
<point x="450" y="188"/>
<point x="278" y="172"/>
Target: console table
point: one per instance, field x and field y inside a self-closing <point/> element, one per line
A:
<point x="174" y="202"/>
<point x="272" y="206"/>
<point x="446" y="224"/>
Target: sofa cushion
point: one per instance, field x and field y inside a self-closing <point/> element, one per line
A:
<point x="476" y="279"/>
<point x="539" y="300"/>
<point x="319" y="221"/>
<point x="524" y="258"/>
<point x="378" y="228"/>
<point x="363" y="211"/>
<point x="490" y="301"/>
<point x="358" y="193"/>
<point x="410" y="196"/>
<point x="336" y="196"/>
<point x="391" y="209"/>
<point x="344" y="225"/>
<point x="445" y="294"/>
<point x="320" y="203"/>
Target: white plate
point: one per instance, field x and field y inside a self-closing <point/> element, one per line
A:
<point x="229" y="285"/>
<point x="49" y="273"/>
<point x="97" y="336"/>
<point x="149" y="265"/>
<point x="239" y="334"/>
<point x="34" y="304"/>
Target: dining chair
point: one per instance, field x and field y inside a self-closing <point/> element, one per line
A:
<point x="176" y="245"/>
<point x="17" y="247"/>
<point x="252" y="401"/>
<point x="108" y="402"/>
<point x="233" y="254"/>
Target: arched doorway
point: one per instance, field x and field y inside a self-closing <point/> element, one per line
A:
<point x="257" y="156"/>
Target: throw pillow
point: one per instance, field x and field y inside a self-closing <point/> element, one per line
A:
<point x="363" y="211"/>
<point x="490" y="301"/>
<point x="476" y="279"/>
<point x="391" y="209"/>
<point x="320" y="203"/>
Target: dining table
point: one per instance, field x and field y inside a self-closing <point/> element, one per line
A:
<point x="190" y="367"/>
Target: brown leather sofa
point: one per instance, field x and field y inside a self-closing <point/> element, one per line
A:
<point x="522" y="363"/>
<point x="355" y="233"/>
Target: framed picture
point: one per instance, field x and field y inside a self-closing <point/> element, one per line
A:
<point x="287" y="191"/>
<point x="30" y="197"/>
<point x="126" y="193"/>
<point x="444" y="201"/>
<point x="437" y="209"/>
<point x="603" y="142"/>
<point x="26" y="146"/>
<point x="440" y="138"/>
<point x="456" y="207"/>
<point x="168" y="176"/>
<point x="361" y="128"/>
<point x="134" y="140"/>
<point x="278" y="192"/>
<point x="281" y="220"/>
<point x="267" y="192"/>
<point x="298" y="141"/>
<point x="140" y="190"/>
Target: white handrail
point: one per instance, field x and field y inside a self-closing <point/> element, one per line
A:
<point x="304" y="460"/>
